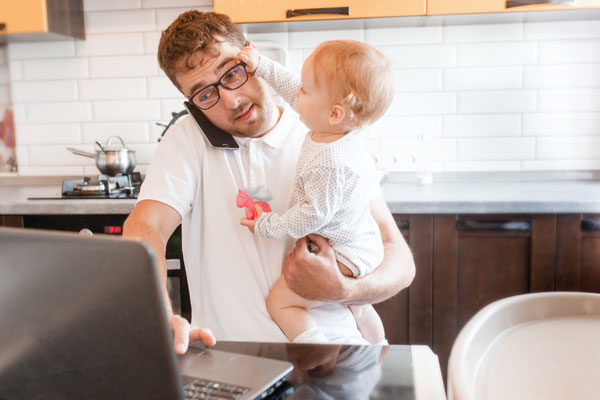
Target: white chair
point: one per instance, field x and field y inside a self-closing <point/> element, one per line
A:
<point x="532" y="346"/>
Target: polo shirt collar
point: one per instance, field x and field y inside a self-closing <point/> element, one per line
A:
<point x="277" y="135"/>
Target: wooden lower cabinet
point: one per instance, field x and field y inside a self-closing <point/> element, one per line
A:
<point x="578" y="252"/>
<point x="407" y="317"/>
<point x="11" y="220"/>
<point x="463" y="263"/>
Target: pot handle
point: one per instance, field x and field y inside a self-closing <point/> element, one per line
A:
<point x="81" y="152"/>
<point x="110" y="140"/>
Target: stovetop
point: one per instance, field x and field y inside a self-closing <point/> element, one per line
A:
<point x="100" y="187"/>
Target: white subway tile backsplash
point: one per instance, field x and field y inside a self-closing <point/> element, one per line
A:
<point x="499" y="101"/>
<point x="562" y="29"/>
<point x="123" y="66"/>
<point x="562" y="76"/>
<point x="4" y="75"/>
<point x="516" y="53"/>
<point x="19" y="114"/>
<point x="110" y="5"/>
<point x="55" y="155"/>
<point x="111" y="44"/>
<point x="29" y="50"/>
<point x="164" y="17"/>
<point x="26" y="170"/>
<point x="151" y="40"/>
<point x="119" y="21"/>
<point x="561" y="165"/>
<point x="16" y="70"/>
<point x="401" y="36"/>
<point x="423" y="103"/>
<point x="569" y="51"/>
<point x="569" y="148"/>
<point x="22" y="153"/>
<point x="129" y="110"/>
<point x="106" y="89"/>
<point x="176" y="3"/>
<point x="426" y="56"/>
<point x="392" y="127"/>
<point x="167" y="107"/>
<point x="49" y="133"/>
<point x="277" y="38"/>
<point x="569" y="100"/>
<point x="4" y="95"/>
<point x="130" y="132"/>
<point x="40" y="91"/>
<point x="482" y="125"/>
<point x="567" y="124"/>
<point x="60" y="68"/>
<point x="483" y="78"/>
<point x="481" y="166"/>
<point x="481" y="149"/>
<point x="143" y="152"/>
<point x="483" y="33"/>
<point x="59" y="112"/>
<point x="311" y="39"/>
<point x="162" y="87"/>
<point x="413" y="80"/>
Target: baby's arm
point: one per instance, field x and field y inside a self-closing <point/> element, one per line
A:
<point x="285" y="82"/>
<point x="322" y="198"/>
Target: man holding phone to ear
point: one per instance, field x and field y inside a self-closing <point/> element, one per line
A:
<point x="194" y="180"/>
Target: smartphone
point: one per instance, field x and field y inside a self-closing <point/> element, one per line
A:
<point x="218" y="138"/>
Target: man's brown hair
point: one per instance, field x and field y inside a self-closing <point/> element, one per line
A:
<point x="191" y="32"/>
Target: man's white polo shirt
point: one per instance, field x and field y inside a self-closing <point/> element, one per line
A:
<point x="229" y="269"/>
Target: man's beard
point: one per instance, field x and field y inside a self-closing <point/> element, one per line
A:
<point x="265" y="120"/>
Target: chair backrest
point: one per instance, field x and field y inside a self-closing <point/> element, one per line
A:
<point x="520" y="347"/>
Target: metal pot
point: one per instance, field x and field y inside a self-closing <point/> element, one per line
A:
<point x="111" y="161"/>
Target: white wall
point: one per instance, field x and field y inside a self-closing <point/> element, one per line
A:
<point x="495" y="97"/>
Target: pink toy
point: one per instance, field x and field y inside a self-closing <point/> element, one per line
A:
<point x="244" y="200"/>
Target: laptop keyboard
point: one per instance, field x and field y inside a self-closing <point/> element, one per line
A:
<point x="201" y="389"/>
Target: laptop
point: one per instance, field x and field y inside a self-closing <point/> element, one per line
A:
<point x="83" y="318"/>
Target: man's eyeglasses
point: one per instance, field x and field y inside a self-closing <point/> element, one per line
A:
<point x="208" y="96"/>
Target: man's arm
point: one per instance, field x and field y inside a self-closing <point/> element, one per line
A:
<point x="154" y="222"/>
<point x="316" y="276"/>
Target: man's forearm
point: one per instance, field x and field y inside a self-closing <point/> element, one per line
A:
<point x="394" y="274"/>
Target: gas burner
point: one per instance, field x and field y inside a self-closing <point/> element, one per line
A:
<point x="103" y="187"/>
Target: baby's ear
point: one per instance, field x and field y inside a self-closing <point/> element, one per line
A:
<point x="337" y="115"/>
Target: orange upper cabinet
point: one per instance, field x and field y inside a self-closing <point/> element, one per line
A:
<point x="31" y="19"/>
<point x="436" y="7"/>
<point x="242" y="11"/>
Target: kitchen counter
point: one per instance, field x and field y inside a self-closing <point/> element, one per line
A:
<point x="473" y="194"/>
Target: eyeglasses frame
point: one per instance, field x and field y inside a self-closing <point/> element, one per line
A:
<point x="217" y="84"/>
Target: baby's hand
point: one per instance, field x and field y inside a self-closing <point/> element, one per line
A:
<point x="249" y="55"/>
<point x="249" y="223"/>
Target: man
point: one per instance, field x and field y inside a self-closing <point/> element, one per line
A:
<point x="229" y="270"/>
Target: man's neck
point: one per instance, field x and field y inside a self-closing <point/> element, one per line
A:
<point x="275" y="120"/>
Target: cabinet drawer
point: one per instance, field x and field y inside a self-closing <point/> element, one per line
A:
<point x="289" y="10"/>
<point x="435" y="7"/>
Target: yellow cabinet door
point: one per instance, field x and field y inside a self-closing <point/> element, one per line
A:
<point x="288" y="10"/>
<point x="23" y="16"/>
<point x="436" y="7"/>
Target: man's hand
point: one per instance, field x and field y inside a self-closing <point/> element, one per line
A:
<point x="314" y="276"/>
<point x="249" y="55"/>
<point x="251" y="222"/>
<point x="183" y="334"/>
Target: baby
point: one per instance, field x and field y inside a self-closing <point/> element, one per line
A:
<point x="344" y="86"/>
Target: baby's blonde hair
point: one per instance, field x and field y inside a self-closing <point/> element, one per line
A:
<point x="358" y="76"/>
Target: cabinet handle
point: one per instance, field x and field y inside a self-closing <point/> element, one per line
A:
<point x="2" y="26"/>
<point x="315" y="11"/>
<point x="474" y="225"/>
<point x="403" y="224"/>
<point x="590" y="225"/>
<point x="519" y="3"/>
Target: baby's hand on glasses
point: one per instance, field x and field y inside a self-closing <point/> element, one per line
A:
<point x="249" y="55"/>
